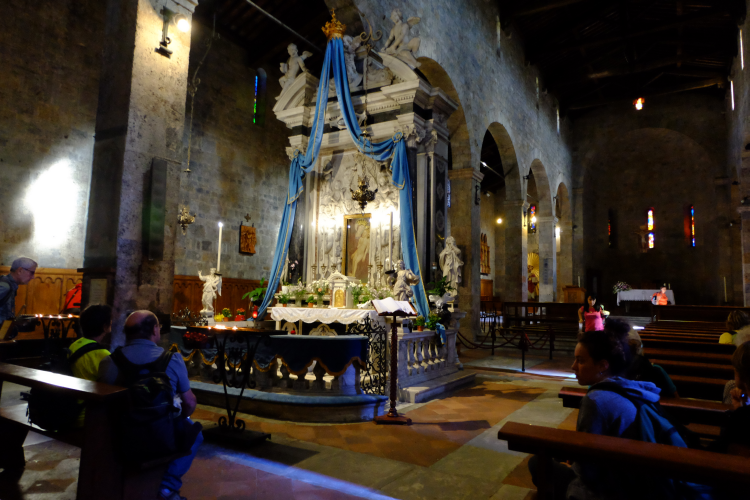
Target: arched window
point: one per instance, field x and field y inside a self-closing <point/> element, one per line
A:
<point x="259" y="99"/>
<point x="532" y="219"/>
<point x="650" y="227"/>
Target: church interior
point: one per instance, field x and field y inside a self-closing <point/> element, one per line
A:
<point x="389" y="245"/>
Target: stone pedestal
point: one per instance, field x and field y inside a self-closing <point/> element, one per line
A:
<point x="139" y="121"/>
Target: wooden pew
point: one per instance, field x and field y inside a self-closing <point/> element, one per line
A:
<point x="694" y="313"/>
<point x="696" y="466"/>
<point x="101" y="473"/>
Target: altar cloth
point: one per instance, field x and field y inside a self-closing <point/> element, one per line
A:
<point x="642" y="296"/>
<point x="321" y="315"/>
<point x="298" y="352"/>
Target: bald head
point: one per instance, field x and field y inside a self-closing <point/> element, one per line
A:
<point x="142" y="325"/>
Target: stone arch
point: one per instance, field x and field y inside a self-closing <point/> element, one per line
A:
<point x="563" y="212"/>
<point x="458" y="131"/>
<point x="544" y="205"/>
<point x="508" y="156"/>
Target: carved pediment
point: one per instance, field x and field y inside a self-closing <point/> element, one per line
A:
<point x="300" y="93"/>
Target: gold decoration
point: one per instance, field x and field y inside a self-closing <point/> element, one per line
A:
<point x="333" y="28"/>
<point x="363" y="195"/>
<point x="184" y="219"/>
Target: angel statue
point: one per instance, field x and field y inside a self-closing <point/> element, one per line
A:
<point x="400" y="44"/>
<point x="210" y="289"/>
<point x="404" y="279"/>
<point x="292" y="67"/>
<point x="450" y="262"/>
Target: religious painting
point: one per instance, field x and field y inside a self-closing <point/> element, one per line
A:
<point x="356" y="255"/>
<point x="247" y="239"/>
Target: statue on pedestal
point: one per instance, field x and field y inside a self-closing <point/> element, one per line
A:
<point x="292" y="66"/>
<point x="450" y="262"/>
<point x="404" y="279"/>
<point x="210" y="289"/>
<point x="400" y="44"/>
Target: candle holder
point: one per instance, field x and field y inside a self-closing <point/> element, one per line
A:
<point x="314" y="271"/>
<point x="380" y="274"/>
<point x="323" y="271"/>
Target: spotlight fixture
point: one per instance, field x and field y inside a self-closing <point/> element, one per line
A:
<point x="182" y="23"/>
<point x="638" y="103"/>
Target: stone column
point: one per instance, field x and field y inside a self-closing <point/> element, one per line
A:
<point x="464" y="214"/>
<point x="577" y="231"/>
<point x="547" y="258"/>
<point x="140" y="118"/>
<point x="745" y="237"/>
<point x="516" y="252"/>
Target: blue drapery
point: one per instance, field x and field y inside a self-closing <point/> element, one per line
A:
<point x="379" y="151"/>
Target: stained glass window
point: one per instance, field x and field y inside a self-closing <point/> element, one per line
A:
<point x="692" y="224"/>
<point x="650" y="226"/>
<point x="255" y="101"/>
<point x="532" y="219"/>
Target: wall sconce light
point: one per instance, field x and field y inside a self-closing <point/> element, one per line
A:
<point x="499" y="220"/>
<point x="557" y="231"/>
<point x="476" y="194"/>
<point x="638" y="103"/>
<point x="182" y="23"/>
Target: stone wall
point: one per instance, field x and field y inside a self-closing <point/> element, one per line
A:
<point x="668" y="156"/>
<point x="488" y="223"/>
<point x="51" y="59"/>
<point x="238" y="167"/>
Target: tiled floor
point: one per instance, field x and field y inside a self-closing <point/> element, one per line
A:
<point x="450" y="452"/>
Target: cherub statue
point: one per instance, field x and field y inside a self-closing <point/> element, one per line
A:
<point x="404" y="279"/>
<point x="450" y="262"/>
<point x="210" y="289"/>
<point x="292" y="66"/>
<point x="350" y="50"/>
<point x="399" y="43"/>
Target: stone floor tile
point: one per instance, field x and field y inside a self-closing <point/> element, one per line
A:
<point x="357" y="468"/>
<point x="479" y="463"/>
<point x="426" y="484"/>
<point x="510" y="492"/>
<point x="520" y="476"/>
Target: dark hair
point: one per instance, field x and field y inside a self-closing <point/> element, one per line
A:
<point x="610" y="344"/>
<point x="143" y="329"/>
<point x="597" y="305"/>
<point x="94" y="319"/>
<point x="737" y="319"/>
<point x="741" y="362"/>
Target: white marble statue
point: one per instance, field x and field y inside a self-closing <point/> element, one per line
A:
<point x="285" y="270"/>
<point x="404" y="279"/>
<point x="337" y="251"/>
<point x="400" y="43"/>
<point x="350" y="50"/>
<point x="210" y="289"/>
<point x="450" y="262"/>
<point x="292" y="66"/>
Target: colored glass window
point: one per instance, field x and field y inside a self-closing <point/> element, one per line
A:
<point x="255" y="102"/>
<point x="651" y="240"/>
<point x="692" y="225"/>
<point x="532" y="218"/>
<point x="650" y="221"/>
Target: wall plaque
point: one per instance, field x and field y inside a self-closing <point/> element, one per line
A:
<point x="247" y="239"/>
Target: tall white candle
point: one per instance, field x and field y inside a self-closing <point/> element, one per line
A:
<point x="725" y="288"/>
<point x="390" y="243"/>
<point x="218" y="259"/>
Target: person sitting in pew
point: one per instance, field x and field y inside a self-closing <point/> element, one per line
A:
<point x="602" y="357"/>
<point x="738" y="324"/>
<point x="735" y="433"/>
<point x="94" y="324"/>
<point x="641" y="369"/>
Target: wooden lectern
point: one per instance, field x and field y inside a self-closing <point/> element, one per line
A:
<point x="574" y="294"/>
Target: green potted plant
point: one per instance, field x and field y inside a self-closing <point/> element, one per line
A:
<point x="357" y="292"/>
<point x="284" y="299"/>
<point x="299" y="294"/>
<point x="227" y="313"/>
<point x="256" y="295"/>
<point x="419" y="323"/>
<point x="432" y="321"/>
<point x="440" y="288"/>
<point x="311" y="301"/>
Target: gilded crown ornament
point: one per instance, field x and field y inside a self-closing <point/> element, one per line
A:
<point x="334" y="28"/>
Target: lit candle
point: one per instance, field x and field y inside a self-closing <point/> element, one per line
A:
<point x="390" y="244"/>
<point x="218" y="259"/>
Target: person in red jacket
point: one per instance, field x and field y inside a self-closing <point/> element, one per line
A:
<point x="660" y="297"/>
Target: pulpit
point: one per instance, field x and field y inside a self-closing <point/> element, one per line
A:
<point x="574" y="294"/>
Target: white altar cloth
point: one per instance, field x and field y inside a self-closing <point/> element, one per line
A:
<point x="641" y="295"/>
<point x="322" y="315"/>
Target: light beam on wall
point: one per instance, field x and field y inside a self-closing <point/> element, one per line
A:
<point x="51" y="198"/>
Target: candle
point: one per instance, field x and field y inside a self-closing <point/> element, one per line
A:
<point x="218" y="259"/>
<point x="725" y="289"/>
<point x="390" y="243"/>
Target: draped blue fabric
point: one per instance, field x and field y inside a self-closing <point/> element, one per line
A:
<point x="394" y="148"/>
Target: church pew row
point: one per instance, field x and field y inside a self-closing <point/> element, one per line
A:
<point x="681" y="313"/>
<point x="636" y="457"/>
<point x="686" y="411"/>
<point x="698" y="356"/>
<point x="687" y="345"/>
<point x="679" y="338"/>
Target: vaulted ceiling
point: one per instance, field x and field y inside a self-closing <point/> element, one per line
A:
<point x="592" y="52"/>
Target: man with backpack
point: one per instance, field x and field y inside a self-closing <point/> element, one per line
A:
<point x="161" y="400"/>
<point x="22" y="271"/>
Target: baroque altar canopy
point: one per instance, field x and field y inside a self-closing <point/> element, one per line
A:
<point x="304" y="162"/>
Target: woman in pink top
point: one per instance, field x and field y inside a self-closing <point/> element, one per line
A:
<point x="592" y="316"/>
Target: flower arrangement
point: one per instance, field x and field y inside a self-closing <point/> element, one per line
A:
<point x="227" y="313"/>
<point x="299" y="291"/>
<point x="219" y="318"/>
<point x="358" y="291"/>
<point x="320" y="288"/>
<point x="432" y="321"/>
<point x="284" y="299"/>
<point x="621" y="286"/>
<point x="439" y="288"/>
<point x="240" y="315"/>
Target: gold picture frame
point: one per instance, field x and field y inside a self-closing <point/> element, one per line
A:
<point x="356" y="246"/>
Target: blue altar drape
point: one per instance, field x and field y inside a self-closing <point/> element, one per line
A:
<point x="394" y="148"/>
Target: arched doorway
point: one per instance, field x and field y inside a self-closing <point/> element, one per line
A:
<point x="541" y="224"/>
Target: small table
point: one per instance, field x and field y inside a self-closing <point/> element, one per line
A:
<point x="229" y="377"/>
<point x="641" y="296"/>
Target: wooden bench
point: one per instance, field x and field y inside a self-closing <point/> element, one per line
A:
<point x="696" y="466"/>
<point x="715" y="314"/>
<point x="101" y="473"/>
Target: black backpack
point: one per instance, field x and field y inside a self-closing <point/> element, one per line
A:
<point x="52" y="411"/>
<point x="147" y="429"/>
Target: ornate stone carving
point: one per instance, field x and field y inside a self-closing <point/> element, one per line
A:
<point x="450" y="262"/>
<point x="292" y="67"/>
<point x="400" y="43"/>
<point x="350" y="50"/>
<point x="404" y="279"/>
<point x="211" y="288"/>
<point x="440" y="221"/>
<point x="440" y="190"/>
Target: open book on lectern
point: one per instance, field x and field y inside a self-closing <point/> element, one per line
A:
<point x="391" y="306"/>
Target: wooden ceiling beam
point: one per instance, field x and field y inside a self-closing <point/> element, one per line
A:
<point x="632" y="96"/>
<point x="692" y="19"/>
<point x="625" y="69"/>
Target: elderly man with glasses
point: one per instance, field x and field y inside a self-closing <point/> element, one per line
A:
<point x="21" y="272"/>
